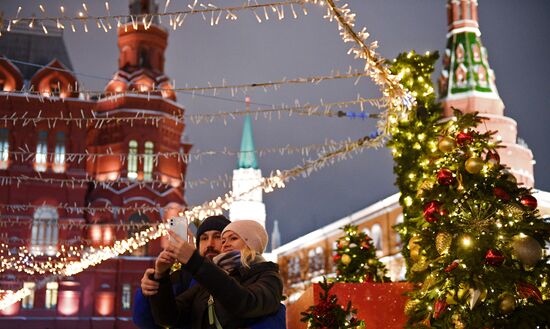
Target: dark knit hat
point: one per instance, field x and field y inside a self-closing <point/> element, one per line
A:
<point x="212" y="223"/>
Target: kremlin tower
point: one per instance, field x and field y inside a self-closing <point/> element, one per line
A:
<point x="467" y="83"/>
<point x="141" y="69"/>
<point x="248" y="202"/>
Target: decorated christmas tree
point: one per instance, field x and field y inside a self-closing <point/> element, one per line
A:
<point x="473" y="237"/>
<point x="355" y="258"/>
<point x="328" y="314"/>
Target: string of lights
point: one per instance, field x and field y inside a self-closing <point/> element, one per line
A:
<point x="24" y="153"/>
<point x="213" y="89"/>
<point x="68" y="224"/>
<point x="208" y="12"/>
<point x="96" y="119"/>
<point x="118" y="182"/>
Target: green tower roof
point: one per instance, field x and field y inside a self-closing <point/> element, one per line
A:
<point x="247" y="157"/>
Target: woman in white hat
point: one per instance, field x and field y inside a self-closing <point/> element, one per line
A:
<point x="238" y="287"/>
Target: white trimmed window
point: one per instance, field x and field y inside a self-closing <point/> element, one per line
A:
<point x="148" y="161"/>
<point x="41" y="159"/>
<point x="4" y="148"/>
<point x="59" y="156"/>
<point x="51" y="295"/>
<point x="377" y="237"/>
<point x="28" y="301"/>
<point x="44" y="232"/>
<point x="126" y="296"/>
<point x="132" y="159"/>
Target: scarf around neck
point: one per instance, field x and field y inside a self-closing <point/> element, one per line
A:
<point x="229" y="261"/>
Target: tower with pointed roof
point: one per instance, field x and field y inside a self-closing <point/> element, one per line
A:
<point x="248" y="202"/>
<point x="467" y="83"/>
<point x="140" y="87"/>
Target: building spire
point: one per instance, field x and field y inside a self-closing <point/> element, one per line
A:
<point x="247" y="157"/>
<point x="275" y="236"/>
<point x="467" y="83"/>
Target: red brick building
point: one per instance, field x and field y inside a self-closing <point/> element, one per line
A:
<point x="50" y="154"/>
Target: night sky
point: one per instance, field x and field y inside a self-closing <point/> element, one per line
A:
<point x="515" y="34"/>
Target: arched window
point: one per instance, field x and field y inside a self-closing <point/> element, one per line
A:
<point x="460" y="75"/>
<point x="377" y="236"/>
<point x="55" y="87"/>
<point x="482" y="75"/>
<point x="44" y="230"/>
<point x="132" y="159"/>
<point x="460" y="53"/>
<point x="294" y="269"/>
<point x="320" y="257"/>
<point x="312" y="262"/>
<point x="148" y="161"/>
<point x="41" y="159"/>
<point x="59" y="156"/>
<point x="138" y="219"/>
<point x="51" y="295"/>
<point x="4" y="148"/>
<point x="476" y="52"/>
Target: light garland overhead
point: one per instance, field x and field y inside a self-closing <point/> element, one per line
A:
<point x="213" y="89"/>
<point x="25" y="153"/>
<point x="208" y="12"/>
<point x="95" y="119"/>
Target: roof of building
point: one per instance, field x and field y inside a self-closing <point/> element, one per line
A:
<point x="247" y="157"/>
<point x="23" y="44"/>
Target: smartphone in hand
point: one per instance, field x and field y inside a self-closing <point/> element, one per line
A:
<point x="179" y="226"/>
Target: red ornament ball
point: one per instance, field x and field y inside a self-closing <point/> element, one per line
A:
<point x="494" y="257"/>
<point x="432" y="211"/>
<point x="445" y="177"/>
<point x="464" y="138"/>
<point x="492" y="158"/>
<point x="529" y="201"/>
<point x="501" y="193"/>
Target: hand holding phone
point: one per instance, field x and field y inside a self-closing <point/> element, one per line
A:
<point x="179" y="226"/>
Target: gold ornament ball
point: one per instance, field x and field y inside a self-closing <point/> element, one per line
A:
<point x="507" y="303"/>
<point x="526" y="249"/>
<point x="474" y="165"/>
<point x="446" y="144"/>
<point x="371" y="262"/>
<point x="346" y="259"/>
<point x="443" y="242"/>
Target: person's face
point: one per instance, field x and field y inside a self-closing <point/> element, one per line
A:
<point x="231" y="241"/>
<point x="210" y="244"/>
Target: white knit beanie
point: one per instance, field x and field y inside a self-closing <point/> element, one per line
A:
<point x="252" y="233"/>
